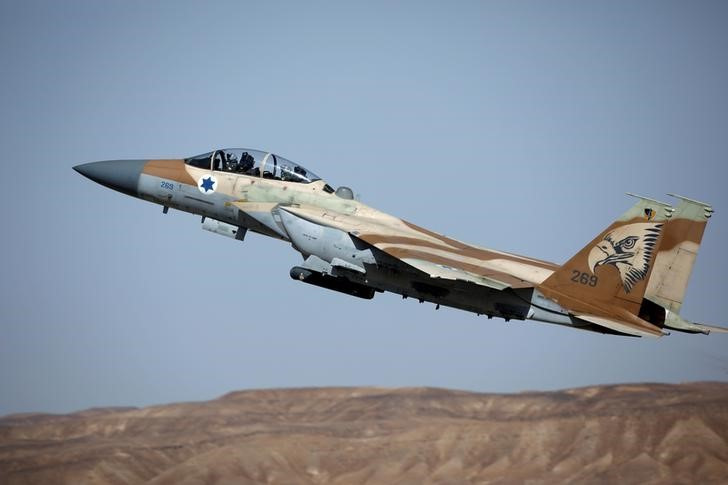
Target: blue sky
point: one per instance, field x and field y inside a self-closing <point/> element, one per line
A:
<point x="513" y="125"/>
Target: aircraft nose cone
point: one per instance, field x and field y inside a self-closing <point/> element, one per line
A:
<point x="121" y="175"/>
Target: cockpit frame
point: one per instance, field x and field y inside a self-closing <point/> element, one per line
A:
<point x="253" y="163"/>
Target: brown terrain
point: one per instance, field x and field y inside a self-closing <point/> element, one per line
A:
<point x="651" y="433"/>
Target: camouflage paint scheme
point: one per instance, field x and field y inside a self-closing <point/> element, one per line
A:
<point x="629" y="280"/>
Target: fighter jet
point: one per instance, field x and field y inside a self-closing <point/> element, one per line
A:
<point x="629" y="280"/>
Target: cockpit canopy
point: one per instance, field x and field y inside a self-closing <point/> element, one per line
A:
<point x="254" y="163"/>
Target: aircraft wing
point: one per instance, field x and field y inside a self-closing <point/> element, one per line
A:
<point x="447" y="273"/>
<point x="432" y="254"/>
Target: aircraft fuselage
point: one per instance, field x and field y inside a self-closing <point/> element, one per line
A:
<point x="352" y="248"/>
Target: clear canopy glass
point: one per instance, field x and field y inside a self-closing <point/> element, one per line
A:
<point x="254" y="163"/>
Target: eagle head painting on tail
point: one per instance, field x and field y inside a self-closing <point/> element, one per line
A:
<point x="628" y="248"/>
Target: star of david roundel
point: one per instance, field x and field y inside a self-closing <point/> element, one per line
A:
<point x="207" y="184"/>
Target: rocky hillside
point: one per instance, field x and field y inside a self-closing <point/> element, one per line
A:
<point x="650" y="433"/>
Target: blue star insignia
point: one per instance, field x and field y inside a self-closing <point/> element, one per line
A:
<point x="207" y="184"/>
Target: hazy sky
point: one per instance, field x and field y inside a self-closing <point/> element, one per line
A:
<point x="514" y="125"/>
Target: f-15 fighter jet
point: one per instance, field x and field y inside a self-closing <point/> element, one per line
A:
<point x="629" y="280"/>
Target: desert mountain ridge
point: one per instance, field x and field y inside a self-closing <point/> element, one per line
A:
<point x="626" y="433"/>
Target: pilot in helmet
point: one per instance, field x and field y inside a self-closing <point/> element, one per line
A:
<point x="231" y="162"/>
<point x="246" y="162"/>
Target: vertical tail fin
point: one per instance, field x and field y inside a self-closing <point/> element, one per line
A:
<point x="681" y="239"/>
<point x="609" y="275"/>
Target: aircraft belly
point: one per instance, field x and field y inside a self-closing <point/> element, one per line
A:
<point x="455" y="294"/>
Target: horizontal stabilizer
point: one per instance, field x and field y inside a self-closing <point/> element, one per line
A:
<point x="712" y="328"/>
<point x="619" y="326"/>
<point x="676" y="322"/>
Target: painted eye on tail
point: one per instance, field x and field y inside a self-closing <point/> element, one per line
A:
<point x="627" y="243"/>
